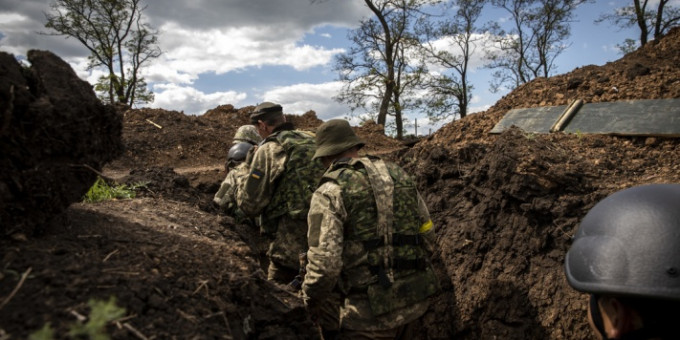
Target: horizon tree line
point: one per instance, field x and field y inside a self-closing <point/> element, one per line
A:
<point x="409" y="56"/>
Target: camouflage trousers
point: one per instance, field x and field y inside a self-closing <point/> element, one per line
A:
<point x="288" y="242"/>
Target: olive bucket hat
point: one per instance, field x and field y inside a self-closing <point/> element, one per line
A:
<point x="334" y="137"/>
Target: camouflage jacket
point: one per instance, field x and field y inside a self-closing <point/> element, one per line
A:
<point x="378" y="261"/>
<point x="226" y="195"/>
<point x="279" y="186"/>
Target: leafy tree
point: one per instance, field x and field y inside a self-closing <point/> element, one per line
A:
<point x="117" y="38"/>
<point x="528" y="50"/>
<point x="380" y="70"/>
<point x="449" y="93"/>
<point x="654" y="22"/>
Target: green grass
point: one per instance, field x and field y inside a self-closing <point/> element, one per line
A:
<point x="102" y="191"/>
<point x="101" y="313"/>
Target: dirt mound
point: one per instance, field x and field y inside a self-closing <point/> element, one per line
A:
<point x="507" y="205"/>
<point x="180" y="273"/>
<point x="377" y="143"/>
<point x="55" y="135"/>
<point x="156" y="137"/>
<point x="651" y="72"/>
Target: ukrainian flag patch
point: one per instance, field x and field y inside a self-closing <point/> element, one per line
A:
<point x="256" y="174"/>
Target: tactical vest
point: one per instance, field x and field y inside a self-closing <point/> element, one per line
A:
<point x="394" y="274"/>
<point x="294" y="188"/>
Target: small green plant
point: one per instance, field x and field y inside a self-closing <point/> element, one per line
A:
<point x="578" y="134"/>
<point x="101" y="313"/>
<point x="102" y="191"/>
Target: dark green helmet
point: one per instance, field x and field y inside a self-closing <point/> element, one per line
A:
<point x="629" y="244"/>
<point x="334" y="137"/>
<point x="238" y="153"/>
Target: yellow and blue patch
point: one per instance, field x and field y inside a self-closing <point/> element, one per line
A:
<point x="256" y="174"/>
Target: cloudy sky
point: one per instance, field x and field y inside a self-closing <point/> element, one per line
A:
<point x="243" y="52"/>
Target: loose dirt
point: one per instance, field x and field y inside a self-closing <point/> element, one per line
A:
<point x="505" y="207"/>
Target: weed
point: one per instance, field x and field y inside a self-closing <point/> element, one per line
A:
<point x="102" y="191"/>
<point x="101" y="313"/>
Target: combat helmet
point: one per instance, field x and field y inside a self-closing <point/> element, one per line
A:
<point x="237" y="154"/>
<point x="629" y="245"/>
<point x="248" y="134"/>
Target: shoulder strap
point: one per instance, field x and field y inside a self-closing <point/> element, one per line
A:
<point x="383" y="190"/>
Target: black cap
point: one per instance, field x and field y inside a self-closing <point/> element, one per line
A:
<point x="265" y="111"/>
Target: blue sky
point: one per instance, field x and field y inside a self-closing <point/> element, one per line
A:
<point x="243" y="52"/>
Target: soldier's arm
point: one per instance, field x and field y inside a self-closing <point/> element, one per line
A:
<point x="426" y="227"/>
<point x="325" y="237"/>
<point x="258" y="187"/>
<point x="234" y="178"/>
<point x="219" y="195"/>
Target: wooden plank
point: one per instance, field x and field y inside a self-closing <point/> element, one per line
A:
<point x="532" y="120"/>
<point x="654" y="117"/>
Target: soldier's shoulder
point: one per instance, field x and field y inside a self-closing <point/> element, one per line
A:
<point x="268" y="147"/>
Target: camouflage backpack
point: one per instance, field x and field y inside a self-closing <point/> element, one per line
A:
<point x="296" y="185"/>
<point x="396" y="271"/>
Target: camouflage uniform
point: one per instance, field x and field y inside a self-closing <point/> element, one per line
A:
<point x="226" y="195"/>
<point x="279" y="186"/>
<point x="370" y="239"/>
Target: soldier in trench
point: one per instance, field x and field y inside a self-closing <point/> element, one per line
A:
<point x="279" y="185"/>
<point x="626" y="256"/>
<point x="243" y="145"/>
<point x="370" y="240"/>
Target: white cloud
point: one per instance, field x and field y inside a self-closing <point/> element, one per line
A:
<point x="188" y="53"/>
<point x="278" y="14"/>
<point x="19" y="33"/>
<point x="479" y="43"/>
<point x="192" y="101"/>
<point x="300" y="98"/>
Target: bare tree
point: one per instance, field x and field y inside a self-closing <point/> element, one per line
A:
<point x="449" y="93"/>
<point x="654" y="22"/>
<point x="117" y="38"/>
<point x="529" y="48"/>
<point x="378" y="68"/>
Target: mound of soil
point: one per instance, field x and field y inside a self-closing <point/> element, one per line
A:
<point x="505" y="207"/>
<point x="179" y="272"/>
<point x="55" y="136"/>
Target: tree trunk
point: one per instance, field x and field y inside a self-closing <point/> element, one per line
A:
<point x="659" y="17"/>
<point x="640" y="14"/>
